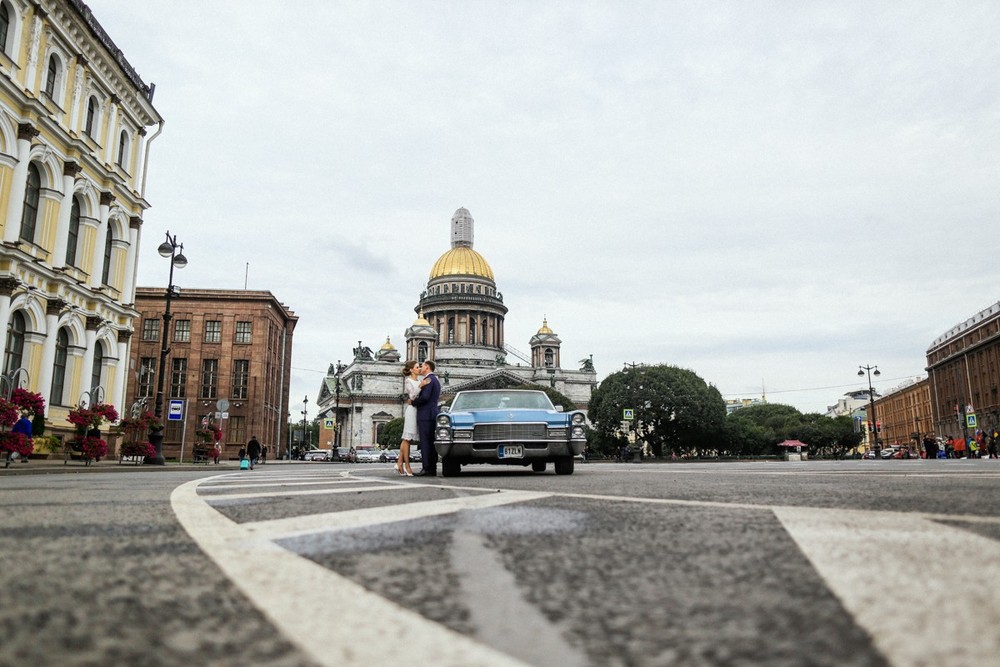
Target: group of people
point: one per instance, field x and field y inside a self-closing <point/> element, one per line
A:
<point x="251" y="454"/>
<point x="423" y="390"/>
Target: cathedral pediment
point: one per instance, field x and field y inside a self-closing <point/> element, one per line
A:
<point x="500" y="379"/>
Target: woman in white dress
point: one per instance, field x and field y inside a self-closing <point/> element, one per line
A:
<point x="412" y="385"/>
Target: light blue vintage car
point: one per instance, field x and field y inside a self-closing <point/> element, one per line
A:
<point x="508" y="427"/>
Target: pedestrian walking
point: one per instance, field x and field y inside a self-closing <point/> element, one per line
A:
<point x="253" y="450"/>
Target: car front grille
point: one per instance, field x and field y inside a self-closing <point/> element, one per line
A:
<point x="510" y="432"/>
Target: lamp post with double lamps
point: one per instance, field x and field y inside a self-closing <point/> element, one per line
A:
<point x="305" y="407"/>
<point x="872" y="421"/>
<point x="169" y="248"/>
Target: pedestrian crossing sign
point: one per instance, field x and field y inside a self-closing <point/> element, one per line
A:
<point x="628" y="414"/>
<point x="970" y="420"/>
<point x="327" y="423"/>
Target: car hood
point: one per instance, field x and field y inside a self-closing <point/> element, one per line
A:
<point x="459" y="419"/>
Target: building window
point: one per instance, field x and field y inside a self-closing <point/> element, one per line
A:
<point x="59" y="368"/>
<point x="122" y="149"/>
<point x="147" y="373"/>
<point x="4" y="27"/>
<point x="182" y="331"/>
<point x="151" y="329"/>
<point x="422" y="352"/>
<point x="95" y="378"/>
<point x="472" y="331"/>
<point x="213" y="331"/>
<point x="30" y="212"/>
<point x="91" y="116"/>
<point x="108" y="247"/>
<point x="178" y="378"/>
<point x="244" y="332"/>
<point x="73" y="238"/>
<point x="451" y="330"/>
<point x="241" y="378"/>
<point x="549" y="358"/>
<point x="15" y="343"/>
<point x="52" y="77"/>
<point x="237" y="431"/>
<point x="209" y="378"/>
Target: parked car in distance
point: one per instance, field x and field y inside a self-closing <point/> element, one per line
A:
<point x="388" y="455"/>
<point x="317" y="455"/>
<point x="367" y="454"/>
<point x="508" y="427"/>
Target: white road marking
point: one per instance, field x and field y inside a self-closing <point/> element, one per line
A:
<point x="925" y="592"/>
<point x="302" y="492"/>
<point x="302" y="599"/>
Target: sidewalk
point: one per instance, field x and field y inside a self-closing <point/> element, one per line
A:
<point x="58" y="466"/>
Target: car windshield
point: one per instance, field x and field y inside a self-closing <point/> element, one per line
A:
<point x="501" y="400"/>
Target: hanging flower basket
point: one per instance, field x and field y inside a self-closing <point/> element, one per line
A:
<point x="29" y="401"/>
<point x="210" y="433"/>
<point x="86" y="419"/>
<point x="93" y="448"/>
<point x="8" y="413"/>
<point x="16" y="442"/>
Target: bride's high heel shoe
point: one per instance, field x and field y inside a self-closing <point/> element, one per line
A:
<point x="408" y="472"/>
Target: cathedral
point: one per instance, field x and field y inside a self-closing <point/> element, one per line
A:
<point x="459" y="325"/>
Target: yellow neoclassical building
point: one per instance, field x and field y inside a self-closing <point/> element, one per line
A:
<point x="73" y="149"/>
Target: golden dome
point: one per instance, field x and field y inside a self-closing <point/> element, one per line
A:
<point x="388" y="345"/>
<point x="462" y="261"/>
<point x="545" y="327"/>
<point x="421" y="321"/>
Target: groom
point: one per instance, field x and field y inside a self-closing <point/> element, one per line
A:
<point x="426" y="404"/>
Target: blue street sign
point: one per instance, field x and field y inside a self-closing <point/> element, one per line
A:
<point x="176" y="411"/>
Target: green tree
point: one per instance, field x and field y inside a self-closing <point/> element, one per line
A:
<point x="674" y="409"/>
<point x="392" y="434"/>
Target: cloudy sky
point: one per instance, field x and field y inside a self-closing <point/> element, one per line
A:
<point x="769" y="194"/>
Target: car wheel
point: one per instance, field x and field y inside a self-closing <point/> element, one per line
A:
<point x="564" y="465"/>
<point x="538" y="466"/>
<point x="450" y="468"/>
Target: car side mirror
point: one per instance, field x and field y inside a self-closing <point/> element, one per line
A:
<point x="559" y="408"/>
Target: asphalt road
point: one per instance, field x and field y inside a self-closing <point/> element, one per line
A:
<point x="818" y="563"/>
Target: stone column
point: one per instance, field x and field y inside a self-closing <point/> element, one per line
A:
<point x="70" y="170"/>
<point x="52" y="312"/>
<point x="121" y="370"/>
<point x="102" y="238"/>
<point x="93" y="323"/>
<point x="18" y="182"/>
<point x="112" y="143"/>
<point x="81" y="64"/>
<point x="7" y="287"/>
<point x="34" y="47"/>
<point x="131" y="262"/>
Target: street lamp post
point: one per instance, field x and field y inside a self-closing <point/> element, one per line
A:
<point x="169" y="248"/>
<point x="336" y="412"/>
<point x="872" y="421"/>
<point x="305" y="407"/>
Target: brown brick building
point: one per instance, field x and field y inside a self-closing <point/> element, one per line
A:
<point x="963" y="367"/>
<point x="905" y="415"/>
<point x="232" y="345"/>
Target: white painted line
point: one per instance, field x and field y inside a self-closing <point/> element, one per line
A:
<point x="302" y="599"/>
<point x="303" y="492"/>
<point x="926" y="593"/>
<point x="373" y="516"/>
<point x="259" y="485"/>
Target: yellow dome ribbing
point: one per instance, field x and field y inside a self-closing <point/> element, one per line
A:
<point x="462" y="261"/>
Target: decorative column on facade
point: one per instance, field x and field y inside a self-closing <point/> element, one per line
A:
<point x="26" y="132"/>
<point x="87" y="372"/>
<point x="132" y="260"/>
<point x="97" y="266"/>
<point x="53" y="310"/>
<point x="121" y="368"/>
<point x="81" y="75"/>
<point x="137" y="170"/>
<point x="70" y="171"/>
<point x="7" y="286"/>
<point x="112" y="142"/>
<point x="34" y="46"/>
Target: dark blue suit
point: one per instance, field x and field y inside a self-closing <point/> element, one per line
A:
<point x="426" y="404"/>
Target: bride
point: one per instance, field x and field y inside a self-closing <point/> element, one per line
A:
<point x="412" y="384"/>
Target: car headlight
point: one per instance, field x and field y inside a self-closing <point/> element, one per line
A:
<point x="443" y="434"/>
<point x="578" y="432"/>
<point x="578" y="418"/>
<point x="443" y="420"/>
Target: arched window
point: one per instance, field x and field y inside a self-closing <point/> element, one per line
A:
<point x="52" y="78"/>
<point x="122" y="149"/>
<point x="422" y="352"/>
<point x="59" y="368"/>
<point x="106" y="271"/>
<point x="73" y="237"/>
<point x="472" y="331"/>
<point x="549" y="358"/>
<point x="15" y="343"/>
<point x="95" y="379"/>
<point x="4" y="27"/>
<point x="451" y="330"/>
<point x="30" y="212"/>
<point x="91" y="116"/>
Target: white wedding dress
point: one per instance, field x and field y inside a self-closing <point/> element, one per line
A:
<point x="410" y="412"/>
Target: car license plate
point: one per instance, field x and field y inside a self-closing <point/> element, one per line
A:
<point x="512" y="452"/>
